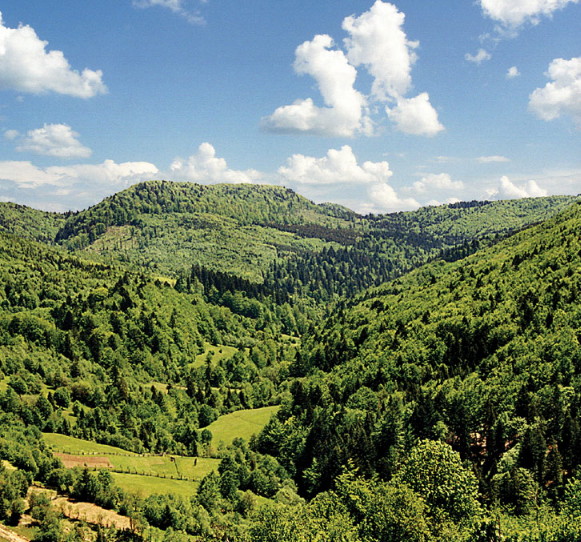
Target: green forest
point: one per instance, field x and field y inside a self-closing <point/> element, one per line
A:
<point x="235" y="362"/>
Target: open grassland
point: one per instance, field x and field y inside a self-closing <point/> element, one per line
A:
<point x="143" y="474"/>
<point x="71" y="445"/>
<point x="150" y="485"/>
<point x="240" y="424"/>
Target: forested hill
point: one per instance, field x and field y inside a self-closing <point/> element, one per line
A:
<point x="101" y="342"/>
<point x="215" y="235"/>
<point x="30" y="223"/>
<point x="483" y="354"/>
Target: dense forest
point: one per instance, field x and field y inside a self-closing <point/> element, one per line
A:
<point x="424" y="367"/>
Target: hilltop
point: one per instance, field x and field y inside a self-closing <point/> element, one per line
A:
<point x="272" y="236"/>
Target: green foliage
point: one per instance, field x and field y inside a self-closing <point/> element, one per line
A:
<point x="435" y="472"/>
<point x="444" y="404"/>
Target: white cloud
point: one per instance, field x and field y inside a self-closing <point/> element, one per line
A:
<point x="176" y="6"/>
<point x="386" y="200"/>
<point x="512" y="72"/>
<point x="206" y="167"/>
<point x="26" y="66"/>
<point x="340" y="170"/>
<point x="378" y="42"/>
<point x="514" y="13"/>
<point x="415" y="116"/>
<point x="562" y="96"/>
<point x="26" y="174"/>
<point x="441" y="181"/>
<point x="479" y="57"/>
<point x="335" y="77"/>
<point x="509" y="190"/>
<point x="337" y="167"/>
<point x="57" y="140"/>
<point x="492" y="159"/>
<point x="106" y="175"/>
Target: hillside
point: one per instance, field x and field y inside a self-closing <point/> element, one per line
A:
<point x="483" y="354"/>
<point x="114" y="352"/>
<point x="270" y="236"/>
<point x="442" y="405"/>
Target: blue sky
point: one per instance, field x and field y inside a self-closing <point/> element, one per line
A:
<point x="378" y="106"/>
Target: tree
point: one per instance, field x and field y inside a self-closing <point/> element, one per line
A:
<point x="435" y="471"/>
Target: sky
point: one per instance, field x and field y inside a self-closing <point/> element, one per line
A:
<point x="378" y="106"/>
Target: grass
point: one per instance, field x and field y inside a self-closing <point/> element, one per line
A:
<point x="77" y="446"/>
<point x="189" y="467"/>
<point x="240" y="424"/>
<point x="149" y="485"/>
<point x="218" y="353"/>
<point x="145" y="473"/>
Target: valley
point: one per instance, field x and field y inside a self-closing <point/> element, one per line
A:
<point x="235" y="361"/>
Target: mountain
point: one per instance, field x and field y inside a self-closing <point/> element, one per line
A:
<point x="482" y="353"/>
<point x="443" y="404"/>
<point x="271" y="236"/>
<point x="98" y="339"/>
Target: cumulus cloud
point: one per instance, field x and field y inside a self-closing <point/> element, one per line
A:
<point x="509" y="190"/>
<point x="335" y="77"/>
<point x="71" y="187"/>
<point x="378" y="43"/>
<point x="109" y="174"/>
<point x="26" y="66"/>
<point x="26" y="174"/>
<point x="176" y="6"/>
<point x="57" y="140"/>
<point x="479" y="57"/>
<point x="337" y="167"/>
<point x="561" y="96"/>
<point x="492" y="159"/>
<point x="415" y="116"/>
<point x="205" y="167"/>
<point x="512" y="72"/>
<point x="441" y="181"/>
<point x="386" y="200"/>
<point x="514" y="13"/>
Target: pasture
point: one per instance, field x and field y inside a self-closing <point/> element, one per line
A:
<point x="240" y="424"/>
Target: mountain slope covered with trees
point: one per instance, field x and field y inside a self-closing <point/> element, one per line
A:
<point x="443" y="404"/>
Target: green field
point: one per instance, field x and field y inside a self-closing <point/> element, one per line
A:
<point x="240" y="424"/>
<point x="77" y="446"/>
<point x="149" y="474"/>
<point x="193" y="468"/>
<point x="161" y="465"/>
<point x="149" y="485"/>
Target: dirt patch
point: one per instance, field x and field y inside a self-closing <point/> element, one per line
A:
<point x="91" y="461"/>
<point x="11" y="536"/>
<point x="91" y="513"/>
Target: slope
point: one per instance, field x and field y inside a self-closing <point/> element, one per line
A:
<point x="482" y="353"/>
<point x="270" y="235"/>
<point x="101" y="353"/>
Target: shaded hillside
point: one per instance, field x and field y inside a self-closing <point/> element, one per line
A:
<point x="482" y="353"/>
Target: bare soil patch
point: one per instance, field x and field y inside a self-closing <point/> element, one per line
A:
<point x="91" y="461"/>
<point x="7" y="534"/>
